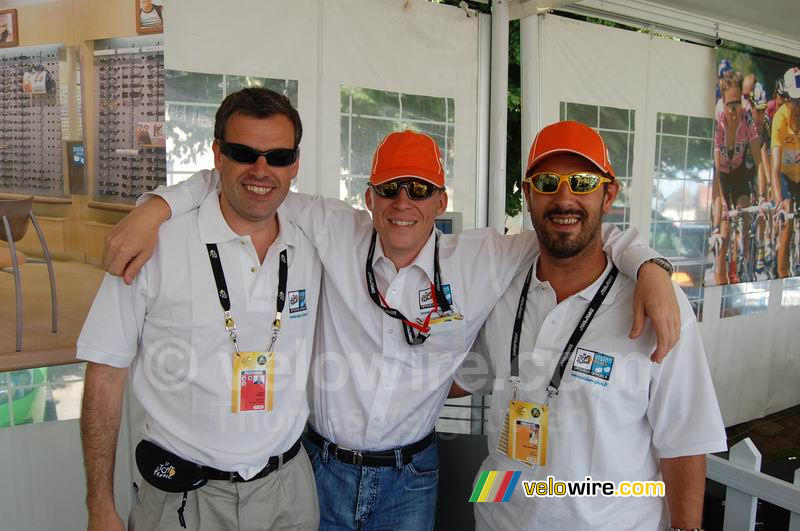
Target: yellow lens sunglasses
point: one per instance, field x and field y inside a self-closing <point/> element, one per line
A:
<point x="581" y="182"/>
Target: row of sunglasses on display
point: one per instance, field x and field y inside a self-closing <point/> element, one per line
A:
<point x="30" y="125"/>
<point x="131" y="156"/>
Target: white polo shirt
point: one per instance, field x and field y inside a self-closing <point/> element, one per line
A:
<point x="372" y="391"/>
<point x="613" y="429"/>
<point x="168" y="327"/>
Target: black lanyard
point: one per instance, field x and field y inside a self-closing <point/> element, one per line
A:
<point x="437" y="293"/>
<point x="577" y="334"/>
<point x="224" y="296"/>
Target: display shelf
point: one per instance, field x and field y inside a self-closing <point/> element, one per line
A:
<point x="130" y="154"/>
<point x="31" y="159"/>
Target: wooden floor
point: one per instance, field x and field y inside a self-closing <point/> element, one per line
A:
<point x="76" y="286"/>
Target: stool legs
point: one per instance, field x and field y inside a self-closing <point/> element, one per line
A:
<point x="17" y="284"/>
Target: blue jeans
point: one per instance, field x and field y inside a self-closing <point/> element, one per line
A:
<point x="376" y="498"/>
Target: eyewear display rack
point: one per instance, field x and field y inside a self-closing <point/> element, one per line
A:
<point x="130" y="88"/>
<point x="30" y="124"/>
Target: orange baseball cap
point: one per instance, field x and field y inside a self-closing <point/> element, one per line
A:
<point x="570" y="137"/>
<point x="407" y="154"/>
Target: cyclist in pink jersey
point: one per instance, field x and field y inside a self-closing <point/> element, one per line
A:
<point x="733" y="180"/>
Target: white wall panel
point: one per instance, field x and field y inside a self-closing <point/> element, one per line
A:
<point x="42" y="482"/>
<point x="276" y="39"/>
<point x="754" y="359"/>
<point x="409" y="47"/>
<point x="412" y="47"/>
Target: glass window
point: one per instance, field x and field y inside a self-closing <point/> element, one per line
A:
<point x="680" y="227"/>
<point x="368" y="115"/>
<point x="40" y="395"/>
<point x="744" y="299"/>
<point x="617" y="127"/>
<point x="791" y="292"/>
<point x="192" y="99"/>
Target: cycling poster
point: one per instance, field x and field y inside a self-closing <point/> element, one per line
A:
<point x="756" y="180"/>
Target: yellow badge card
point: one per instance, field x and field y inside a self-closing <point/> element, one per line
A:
<point x="437" y="318"/>
<point x="527" y="432"/>
<point x="253" y="381"/>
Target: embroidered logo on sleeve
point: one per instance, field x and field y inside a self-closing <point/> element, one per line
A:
<point x="592" y="367"/>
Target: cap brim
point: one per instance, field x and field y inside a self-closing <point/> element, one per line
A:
<point x="406" y="173"/>
<point x="548" y="154"/>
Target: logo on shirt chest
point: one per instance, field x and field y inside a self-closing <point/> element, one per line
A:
<point x="592" y="367"/>
<point x="426" y="297"/>
<point x="297" y="303"/>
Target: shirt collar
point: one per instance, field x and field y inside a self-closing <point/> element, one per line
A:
<point x="588" y="292"/>
<point x="214" y="229"/>
<point x="424" y="259"/>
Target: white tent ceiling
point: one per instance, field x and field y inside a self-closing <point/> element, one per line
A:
<point x="770" y="25"/>
<point x="776" y="17"/>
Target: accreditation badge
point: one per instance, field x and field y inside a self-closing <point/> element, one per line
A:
<point x="525" y="437"/>
<point x="253" y="381"/>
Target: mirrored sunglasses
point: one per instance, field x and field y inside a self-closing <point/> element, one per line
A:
<point x="277" y="158"/>
<point x="579" y="182"/>
<point x="415" y="188"/>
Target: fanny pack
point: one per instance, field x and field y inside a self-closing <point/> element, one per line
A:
<point x="168" y="472"/>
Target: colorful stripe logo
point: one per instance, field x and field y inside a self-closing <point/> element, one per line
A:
<point x="495" y="486"/>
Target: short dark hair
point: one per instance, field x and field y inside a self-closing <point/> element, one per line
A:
<point x="257" y="102"/>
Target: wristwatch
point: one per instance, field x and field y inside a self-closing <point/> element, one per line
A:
<point x="663" y="263"/>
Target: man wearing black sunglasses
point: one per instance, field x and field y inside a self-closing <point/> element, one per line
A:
<point x="216" y="332"/>
<point x="402" y="303"/>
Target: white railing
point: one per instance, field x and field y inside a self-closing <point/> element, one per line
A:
<point x="746" y="484"/>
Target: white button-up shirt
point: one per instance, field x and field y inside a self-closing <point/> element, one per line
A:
<point x="612" y="426"/>
<point x="371" y="390"/>
<point x="168" y="327"/>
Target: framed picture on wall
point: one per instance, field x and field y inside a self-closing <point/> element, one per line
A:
<point x="8" y="28"/>
<point x="149" y="16"/>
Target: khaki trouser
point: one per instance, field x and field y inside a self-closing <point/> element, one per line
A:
<point x="285" y="499"/>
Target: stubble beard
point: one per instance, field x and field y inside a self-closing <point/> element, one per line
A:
<point x="563" y="246"/>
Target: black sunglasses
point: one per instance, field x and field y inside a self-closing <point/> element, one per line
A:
<point x="416" y="189"/>
<point x="277" y="158"/>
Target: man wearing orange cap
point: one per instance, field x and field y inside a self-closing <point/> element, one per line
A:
<point x="399" y="308"/>
<point x="575" y="398"/>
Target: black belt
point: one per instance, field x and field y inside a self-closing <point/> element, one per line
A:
<point x="272" y="466"/>
<point x="385" y="458"/>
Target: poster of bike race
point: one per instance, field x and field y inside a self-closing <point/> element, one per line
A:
<point x="756" y="184"/>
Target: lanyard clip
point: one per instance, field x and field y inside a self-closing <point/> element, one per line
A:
<point x="230" y="324"/>
<point x="235" y="344"/>
<point x="276" y="324"/>
<point x="515" y="381"/>
<point x="551" y="392"/>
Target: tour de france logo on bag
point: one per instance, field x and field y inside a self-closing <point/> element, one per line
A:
<point x="592" y="367"/>
<point x="297" y="302"/>
<point x="164" y="471"/>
